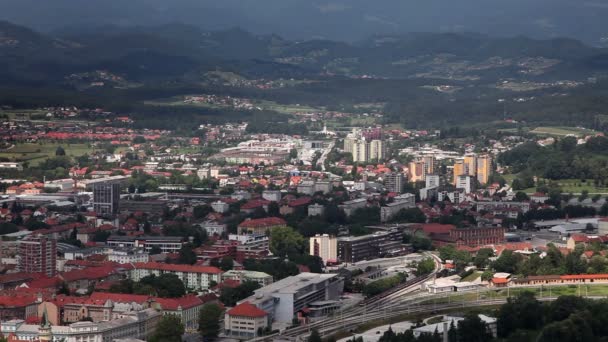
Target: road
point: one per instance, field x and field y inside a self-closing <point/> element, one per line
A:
<point x="326" y="152"/>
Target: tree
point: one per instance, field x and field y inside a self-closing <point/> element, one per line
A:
<point x="425" y="266"/>
<point x="473" y="329"/>
<point x="209" y="321"/>
<point x="59" y="151"/>
<point x="273" y="209"/>
<point x="230" y="296"/>
<point x="139" y="140"/>
<point x="520" y="312"/>
<point x="285" y="241"/>
<point x="169" y="329"/>
<point x="167" y="285"/>
<point x="507" y="262"/>
<point x="315" y="336"/>
<point x="226" y="264"/>
<point x="483" y="257"/>
<point x="200" y="211"/>
<point x="155" y="250"/>
<point x="187" y="255"/>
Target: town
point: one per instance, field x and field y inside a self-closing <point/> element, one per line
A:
<point x="117" y="233"/>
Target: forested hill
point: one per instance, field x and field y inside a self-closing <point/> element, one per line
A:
<point x="27" y="55"/>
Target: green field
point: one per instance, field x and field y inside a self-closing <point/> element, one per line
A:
<point x="471" y="277"/>
<point x="265" y="105"/>
<point x="34" y="154"/>
<point x="574" y="186"/>
<point x="562" y="131"/>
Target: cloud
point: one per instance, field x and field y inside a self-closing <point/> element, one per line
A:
<point x="332" y="7"/>
<point x="376" y="19"/>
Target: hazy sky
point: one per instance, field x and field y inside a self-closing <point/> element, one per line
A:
<point x="334" y="19"/>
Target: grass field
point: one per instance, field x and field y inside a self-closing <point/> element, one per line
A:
<point x="37" y="153"/>
<point x="562" y="131"/>
<point x="471" y="277"/>
<point x="266" y="105"/>
<point x="574" y="186"/>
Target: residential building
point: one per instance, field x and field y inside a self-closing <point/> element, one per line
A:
<point x="272" y="195"/>
<point x="193" y="277"/>
<point x="243" y="275"/>
<point x="466" y="182"/>
<point x="459" y="169"/>
<point x="377" y="150"/>
<point x="432" y="181"/>
<point x="429" y="164"/>
<point x="325" y="247"/>
<point x="140" y="325"/>
<point x="361" y="151"/>
<point x="284" y="299"/>
<point x="350" y="207"/>
<point x="324" y="186"/>
<point x="213" y="228"/>
<point x="316" y="210"/>
<point x="470" y="164"/>
<point x="394" y="182"/>
<point x="106" y="198"/>
<point x="416" y="171"/>
<point x="484" y="169"/>
<point x="356" y="248"/>
<point x="38" y="254"/>
<point x="260" y="226"/>
<point x="244" y="321"/>
<point x="167" y="244"/>
<point x="306" y="187"/>
<point x="127" y="255"/>
<point x="405" y="201"/>
<point x="220" y="207"/>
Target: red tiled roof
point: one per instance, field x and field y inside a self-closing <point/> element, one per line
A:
<point x="500" y="280"/>
<point x="119" y="297"/>
<point x="253" y="204"/>
<point x="436" y="228"/>
<point x="247" y="310"/>
<point x="300" y="201"/>
<point x="173" y="304"/>
<point x="263" y="222"/>
<point x="176" y="267"/>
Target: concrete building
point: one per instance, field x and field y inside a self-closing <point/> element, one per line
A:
<point x="306" y="187"/>
<point x="325" y="247"/>
<point x="213" y="228"/>
<point x="432" y="181"/>
<point x="484" y="169"/>
<point x="220" y="207"/>
<point x="138" y="325"/>
<point x="350" y="207"/>
<point x="459" y="170"/>
<point x="272" y="195"/>
<point x="405" y="201"/>
<point x="324" y="186"/>
<point x="356" y="248"/>
<point x="167" y="244"/>
<point x="361" y="151"/>
<point x="430" y="164"/>
<point x="127" y="255"/>
<point x="38" y="254"/>
<point x="394" y="182"/>
<point x="377" y="150"/>
<point x="194" y="277"/>
<point x="261" y="278"/>
<point x="244" y="321"/>
<point x="106" y="198"/>
<point x="316" y="210"/>
<point x="466" y="182"/>
<point x="283" y="299"/>
<point x="416" y="171"/>
<point x="470" y="164"/>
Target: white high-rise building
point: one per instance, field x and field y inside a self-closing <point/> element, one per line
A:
<point x="465" y="182"/>
<point x="377" y="150"/>
<point x="432" y="181"/>
<point x="325" y="247"/>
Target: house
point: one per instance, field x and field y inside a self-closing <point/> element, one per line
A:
<point x="260" y="226"/>
<point x="245" y="321"/>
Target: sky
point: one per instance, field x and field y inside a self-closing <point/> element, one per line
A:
<point x="349" y="20"/>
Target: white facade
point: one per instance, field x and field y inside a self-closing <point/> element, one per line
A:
<point x="324" y="246"/>
<point x="272" y="195"/>
<point x="220" y="207"/>
<point x="432" y="181"/>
